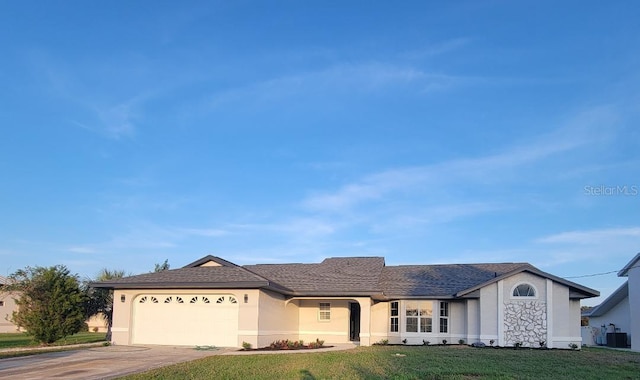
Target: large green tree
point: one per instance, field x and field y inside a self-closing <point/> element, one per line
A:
<point x="100" y="300"/>
<point x="51" y="304"/>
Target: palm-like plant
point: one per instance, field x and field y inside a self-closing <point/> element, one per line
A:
<point x="100" y="300"/>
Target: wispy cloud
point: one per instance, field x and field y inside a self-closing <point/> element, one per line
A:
<point x="589" y="237"/>
<point x="339" y="79"/>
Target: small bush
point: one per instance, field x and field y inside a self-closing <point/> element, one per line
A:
<point x="317" y="344"/>
<point x="573" y="346"/>
<point x="425" y="342"/>
<point x="95" y="329"/>
<point x="444" y="341"/>
<point x="517" y="344"/>
<point x="491" y="342"/>
<point x="461" y="341"/>
<point x="383" y="342"/>
<point x="404" y="341"/>
<point x="246" y="345"/>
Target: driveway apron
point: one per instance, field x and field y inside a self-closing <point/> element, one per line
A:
<point x="99" y="362"/>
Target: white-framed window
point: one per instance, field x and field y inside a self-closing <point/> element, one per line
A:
<point x="324" y="311"/>
<point x="444" y="317"/>
<point x="419" y="316"/>
<point x="524" y="290"/>
<point x="394" y="313"/>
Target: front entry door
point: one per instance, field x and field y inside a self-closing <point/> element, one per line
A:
<point x="354" y="322"/>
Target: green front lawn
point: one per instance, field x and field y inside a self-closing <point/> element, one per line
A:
<point x="14" y="340"/>
<point x="399" y="362"/>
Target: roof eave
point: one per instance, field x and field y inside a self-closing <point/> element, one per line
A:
<point x="183" y="285"/>
<point x="588" y="292"/>
<point x="624" y="272"/>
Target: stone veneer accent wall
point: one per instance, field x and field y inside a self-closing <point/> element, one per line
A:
<point x="525" y="322"/>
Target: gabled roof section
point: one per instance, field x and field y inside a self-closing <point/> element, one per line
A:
<point x="4" y="280"/>
<point x="635" y="262"/>
<point x="210" y="260"/>
<point x="576" y="291"/>
<point x="614" y="299"/>
<point x="333" y="276"/>
<point x="441" y="281"/>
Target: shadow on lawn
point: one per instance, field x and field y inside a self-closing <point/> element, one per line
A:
<point x="306" y="375"/>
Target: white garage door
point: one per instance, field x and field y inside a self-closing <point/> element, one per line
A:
<point x="186" y="319"/>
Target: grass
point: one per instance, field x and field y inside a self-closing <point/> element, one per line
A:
<point x="401" y="362"/>
<point x="16" y="340"/>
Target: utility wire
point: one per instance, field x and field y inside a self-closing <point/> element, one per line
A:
<point x="600" y="274"/>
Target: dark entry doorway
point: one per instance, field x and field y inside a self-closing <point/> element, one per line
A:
<point x="354" y="321"/>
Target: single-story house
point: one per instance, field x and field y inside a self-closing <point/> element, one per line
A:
<point x="347" y="299"/>
<point x="619" y="314"/>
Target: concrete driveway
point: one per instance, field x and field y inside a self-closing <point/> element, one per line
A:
<point x="98" y="363"/>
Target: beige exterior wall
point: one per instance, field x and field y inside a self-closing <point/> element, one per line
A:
<point x="97" y="323"/>
<point x="6" y="311"/>
<point x="472" y="320"/>
<point x="380" y="322"/>
<point x="277" y="320"/>
<point x="488" y="303"/>
<point x="334" y="331"/>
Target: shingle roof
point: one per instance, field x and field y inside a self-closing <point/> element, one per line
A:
<point x="346" y="275"/>
<point x="337" y="276"/>
<point x="439" y="280"/>
<point x="199" y="277"/>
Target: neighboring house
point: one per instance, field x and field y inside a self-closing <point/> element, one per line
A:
<point x="7" y="307"/>
<point x="215" y="302"/>
<point x="620" y="312"/>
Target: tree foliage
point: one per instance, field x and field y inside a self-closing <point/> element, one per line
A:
<point x="100" y="300"/>
<point x="162" y="267"/>
<point x="51" y="304"/>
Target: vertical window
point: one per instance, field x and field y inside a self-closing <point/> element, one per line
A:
<point x="393" y="326"/>
<point x="444" y="317"/>
<point x="419" y="316"/>
<point x="324" y="313"/>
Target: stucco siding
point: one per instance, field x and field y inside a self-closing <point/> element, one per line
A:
<point x="472" y="319"/>
<point x="634" y="306"/>
<point x="457" y="322"/>
<point x="277" y="320"/>
<point x="566" y="318"/>
<point x="618" y="315"/>
<point x="489" y="313"/>
<point x="335" y="330"/>
<point x="6" y="311"/>
<point x="379" y="321"/>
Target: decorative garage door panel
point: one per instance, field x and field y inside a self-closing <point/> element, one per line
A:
<point x="186" y="319"/>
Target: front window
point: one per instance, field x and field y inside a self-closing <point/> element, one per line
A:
<point x="393" y="326"/>
<point x="324" y="312"/>
<point x="444" y="317"/>
<point x="419" y="316"/>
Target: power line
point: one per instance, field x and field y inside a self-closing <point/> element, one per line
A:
<point x="600" y="274"/>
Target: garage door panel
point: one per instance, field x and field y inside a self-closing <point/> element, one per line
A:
<point x="186" y="320"/>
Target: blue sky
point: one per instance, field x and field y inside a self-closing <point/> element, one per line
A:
<point x="424" y="132"/>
